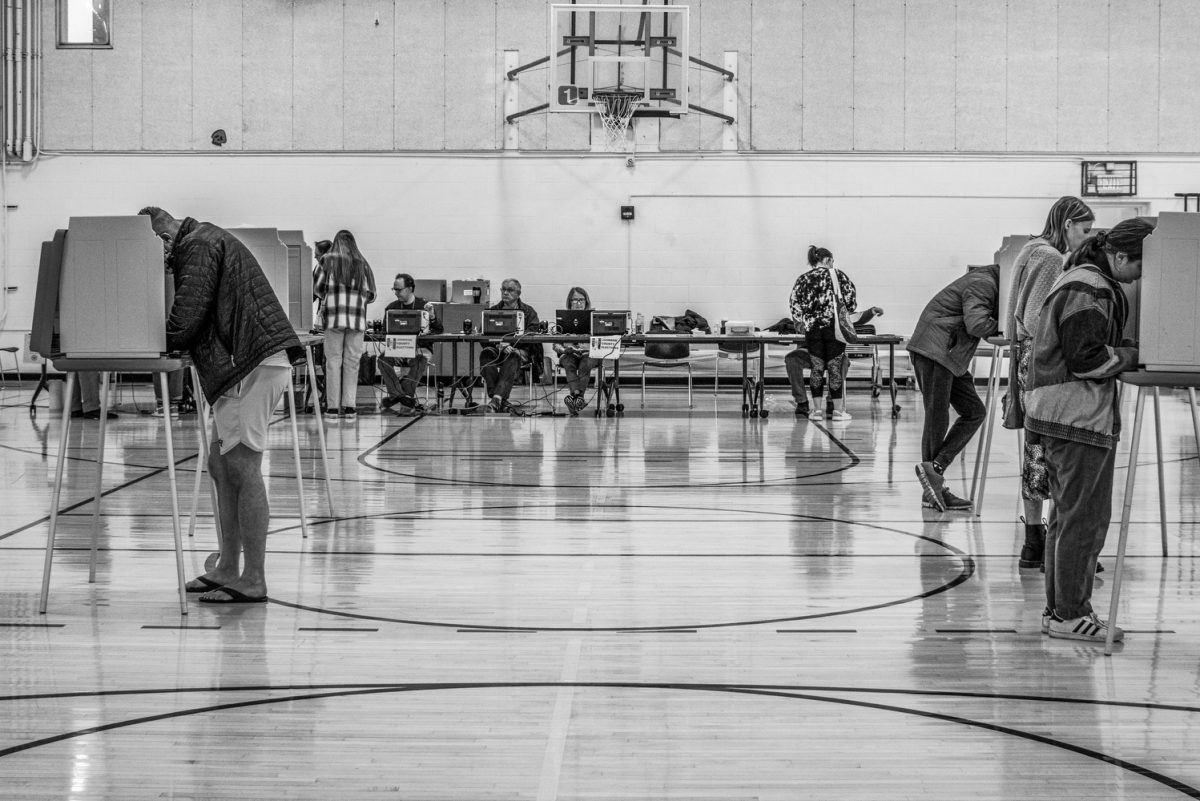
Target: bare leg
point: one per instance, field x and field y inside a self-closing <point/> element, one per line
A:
<point x="1033" y="511"/>
<point x="242" y="499"/>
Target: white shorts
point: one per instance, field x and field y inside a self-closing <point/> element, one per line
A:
<point x="243" y="413"/>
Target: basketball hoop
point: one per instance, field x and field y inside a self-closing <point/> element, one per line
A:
<point x="616" y="107"/>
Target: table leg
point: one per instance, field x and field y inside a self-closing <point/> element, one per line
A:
<point x="1126" y="509"/>
<point x="1195" y="417"/>
<point x="892" y="377"/>
<point x="57" y="492"/>
<point x="1162" y="481"/>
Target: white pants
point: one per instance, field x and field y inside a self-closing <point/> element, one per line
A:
<point x="343" y="351"/>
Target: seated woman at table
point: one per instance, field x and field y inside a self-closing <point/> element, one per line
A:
<point x="798" y="360"/>
<point x="574" y="360"/>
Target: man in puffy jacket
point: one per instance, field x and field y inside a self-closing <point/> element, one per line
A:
<point x="226" y="315"/>
<point x="941" y="350"/>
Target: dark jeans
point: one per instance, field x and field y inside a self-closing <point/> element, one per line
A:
<point x="940" y="391"/>
<point x="795" y="362"/>
<point x="1081" y="484"/>
<point x="500" y="371"/>
<point x="406" y="386"/>
<point x="577" y="367"/>
<point x="827" y="353"/>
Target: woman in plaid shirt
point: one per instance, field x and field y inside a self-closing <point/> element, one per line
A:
<point x="345" y="285"/>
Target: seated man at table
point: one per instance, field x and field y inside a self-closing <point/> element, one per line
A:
<point x="402" y="390"/>
<point x="501" y="363"/>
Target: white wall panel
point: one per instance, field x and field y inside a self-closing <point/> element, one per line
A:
<point x="1082" y="75"/>
<point x="1179" y="98"/>
<point x="929" y="75"/>
<point x="66" y="91"/>
<point x="318" y="85"/>
<point x="167" y="75"/>
<point x="828" y="75"/>
<point x="727" y="27"/>
<point x="267" y="80"/>
<point x="1133" y="76"/>
<point x="471" y="80"/>
<point x="422" y="53"/>
<point x="981" y="94"/>
<point x="1032" y="75"/>
<point x="117" y="84"/>
<point x="776" y="97"/>
<point x="216" y="72"/>
<point x="368" y="82"/>
<point x="684" y="133"/>
<point x="878" y="75"/>
<point x="522" y="26"/>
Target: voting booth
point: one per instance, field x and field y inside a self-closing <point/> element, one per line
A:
<point x="1006" y="257"/>
<point x="299" y="304"/>
<point x="1167" y="335"/>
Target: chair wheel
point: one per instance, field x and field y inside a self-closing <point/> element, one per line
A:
<point x="764" y="413"/>
<point x="745" y="413"/>
<point x="611" y="413"/>
<point x="620" y="408"/>
<point x="874" y="392"/>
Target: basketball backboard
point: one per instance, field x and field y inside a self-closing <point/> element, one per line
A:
<point x="619" y="47"/>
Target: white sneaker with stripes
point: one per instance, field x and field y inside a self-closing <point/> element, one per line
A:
<point x="1089" y="628"/>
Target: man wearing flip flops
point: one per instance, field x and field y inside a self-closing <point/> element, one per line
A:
<point x="226" y="316"/>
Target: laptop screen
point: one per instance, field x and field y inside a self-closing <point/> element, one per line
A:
<point x="403" y="321"/>
<point x="574" y="321"/>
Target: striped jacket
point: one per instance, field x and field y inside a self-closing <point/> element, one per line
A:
<point x="1077" y="353"/>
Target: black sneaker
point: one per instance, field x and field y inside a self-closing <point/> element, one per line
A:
<point x="933" y="483"/>
<point x="349" y="411"/>
<point x="1033" y="551"/>
<point x="955" y="503"/>
<point x="802" y="411"/>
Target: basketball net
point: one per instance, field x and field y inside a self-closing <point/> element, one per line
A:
<point x="616" y="110"/>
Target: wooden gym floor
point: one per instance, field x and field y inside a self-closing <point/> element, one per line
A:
<point x="670" y="604"/>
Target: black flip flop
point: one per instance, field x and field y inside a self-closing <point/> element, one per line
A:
<point x="235" y="597"/>
<point x="209" y="585"/>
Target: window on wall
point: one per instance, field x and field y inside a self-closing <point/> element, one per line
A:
<point x="85" y="23"/>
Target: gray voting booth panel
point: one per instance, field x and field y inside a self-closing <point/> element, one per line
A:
<point x="113" y="293"/>
<point x="1169" y="338"/>
<point x="272" y="256"/>
<point x="432" y="290"/>
<point x="1006" y="256"/>
<point x="300" y="282"/>
<point x="452" y="316"/>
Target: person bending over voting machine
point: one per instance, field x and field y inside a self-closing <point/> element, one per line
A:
<point x="1072" y="407"/>
<point x="574" y="360"/>
<point x="226" y="316"/>
<point x="501" y="363"/>
<point x="402" y="391"/>
<point x="941" y="349"/>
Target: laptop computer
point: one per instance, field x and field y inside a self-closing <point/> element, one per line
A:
<point x="406" y="321"/>
<point x="574" y="321"/>
<point x="498" y="322"/>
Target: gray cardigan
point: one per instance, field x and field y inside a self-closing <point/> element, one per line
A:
<point x="956" y="319"/>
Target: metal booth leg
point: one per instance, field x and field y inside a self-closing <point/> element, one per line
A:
<point x="162" y="385"/>
<point x="988" y="421"/>
<point x="993" y="392"/>
<point x="1162" y="481"/>
<point x="96" y="489"/>
<point x="296" y="454"/>
<point x="57" y="493"/>
<point x="1126" y="509"/>
<point x="312" y="385"/>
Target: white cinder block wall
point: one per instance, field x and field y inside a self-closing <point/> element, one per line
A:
<point x="723" y="235"/>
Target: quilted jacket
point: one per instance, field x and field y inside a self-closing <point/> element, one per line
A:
<point x="956" y="319"/>
<point x="225" y="313"/>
